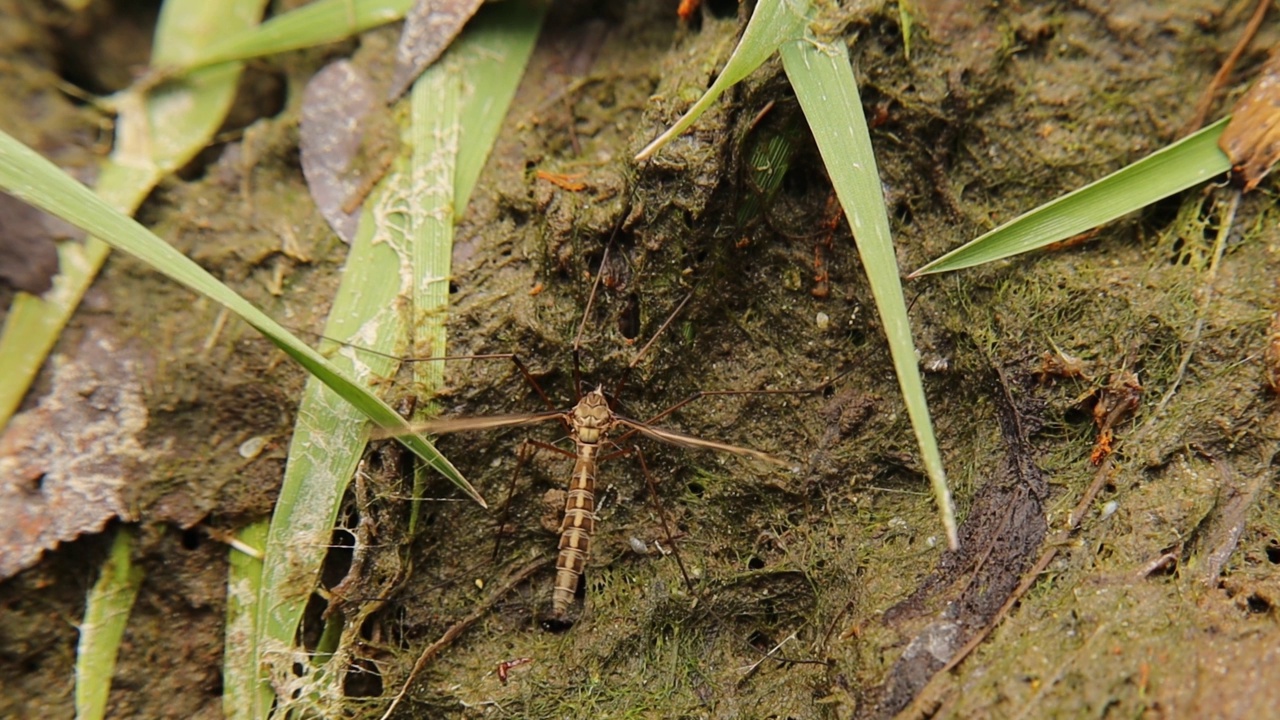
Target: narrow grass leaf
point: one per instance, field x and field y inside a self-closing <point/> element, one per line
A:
<point x="1172" y="169"/>
<point x="372" y="310"/>
<point x="30" y="177"/>
<point x="106" y="614"/>
<point x="393" y="296"/>
<point x="828" y="93"/>
<point x="240" y="690"/>
<point x="497" y="46"/>
<point x="316" y="23"/>
<point x="772" y="23"/>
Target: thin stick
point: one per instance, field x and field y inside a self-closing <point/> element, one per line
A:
<point x="626" y="373"/>
<point x="660" y="330"/>
<point x="461" y="626"/>
<point x="1220" y="78"/>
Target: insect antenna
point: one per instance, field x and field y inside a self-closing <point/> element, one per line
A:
<point x="595" y="287"/>
<point x="626" y="372"/>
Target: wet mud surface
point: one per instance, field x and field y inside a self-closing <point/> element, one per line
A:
<point x="821" y="590"/>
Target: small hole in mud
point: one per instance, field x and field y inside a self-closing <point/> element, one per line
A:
<point x="190" y="539"/>
<point x="556" y="625"/>
<point x="362" y="680"/>
<point x="37" y="483"/>
<point x="755" y="563"/>
<point x="723" y="9"/>
<point x="629" y="317"/>
<point x="453" y="288"/>
<point x="1077" y="415"/>
<point x="1273" y="554"/>
<point x="759" y="640"/>
<point x="1257" y="604"/>
<point x="1160" y="214"/>
<point x="120" y="34"/>
<point x="696" y="488"/>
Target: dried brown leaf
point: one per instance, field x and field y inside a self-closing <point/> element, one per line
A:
<point x="1252" y="138"/>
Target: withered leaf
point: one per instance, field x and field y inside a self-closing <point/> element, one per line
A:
<point x="334" y="106"/>
<point x="1252" y="138"/>
<point x="65" y="464"/>
<point x="429" y="28"/>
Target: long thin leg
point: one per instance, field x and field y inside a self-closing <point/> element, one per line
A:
<point x="528" y="448"/>
<point x="515" y="359"/>
<point x="662" y="515"/>
<point x="727" y="393"/>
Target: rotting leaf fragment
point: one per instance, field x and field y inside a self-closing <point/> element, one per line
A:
<point x="429" y="27"/>
<point x="1252" y="138"/>
<point x="334" y="105"/>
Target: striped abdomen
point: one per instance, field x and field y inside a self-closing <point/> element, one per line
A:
<point x="576" y="530"/>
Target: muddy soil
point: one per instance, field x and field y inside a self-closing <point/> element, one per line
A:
<point x="820" y="591"/>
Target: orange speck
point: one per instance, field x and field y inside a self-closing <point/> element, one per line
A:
<point x="1101" y="448"/>
<point x="565" y="182"/>
<point x="688" y="8"/>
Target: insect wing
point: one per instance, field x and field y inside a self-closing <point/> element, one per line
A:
<point x="441" y="426"/>
<point x="676" y="438"/>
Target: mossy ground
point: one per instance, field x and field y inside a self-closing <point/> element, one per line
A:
<point x="996" y="111"/>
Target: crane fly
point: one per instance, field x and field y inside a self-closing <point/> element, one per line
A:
<point x="590" y="423"/>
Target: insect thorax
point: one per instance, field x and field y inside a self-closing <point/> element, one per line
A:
<point x="591" y="417"/>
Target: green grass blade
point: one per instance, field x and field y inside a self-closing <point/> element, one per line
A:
<point x="316" y="23"/>
<point x="30" y="177"/>
<point x="105" y="616"/>
<point x="772" y="23"/>
<point x="406" y="232"/>
<point x="1186" y="163"/>
<point x="828" y="93"/>
<point x="241" y="692"/>
<point x="155" y="135"/>
<point x="498" y="42"/>
<point x="329" y="439"/>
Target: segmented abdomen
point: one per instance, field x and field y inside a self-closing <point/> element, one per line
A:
<point x="576" y="530"/>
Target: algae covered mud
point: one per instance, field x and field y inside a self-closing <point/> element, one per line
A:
<point x="815" y="595"/>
